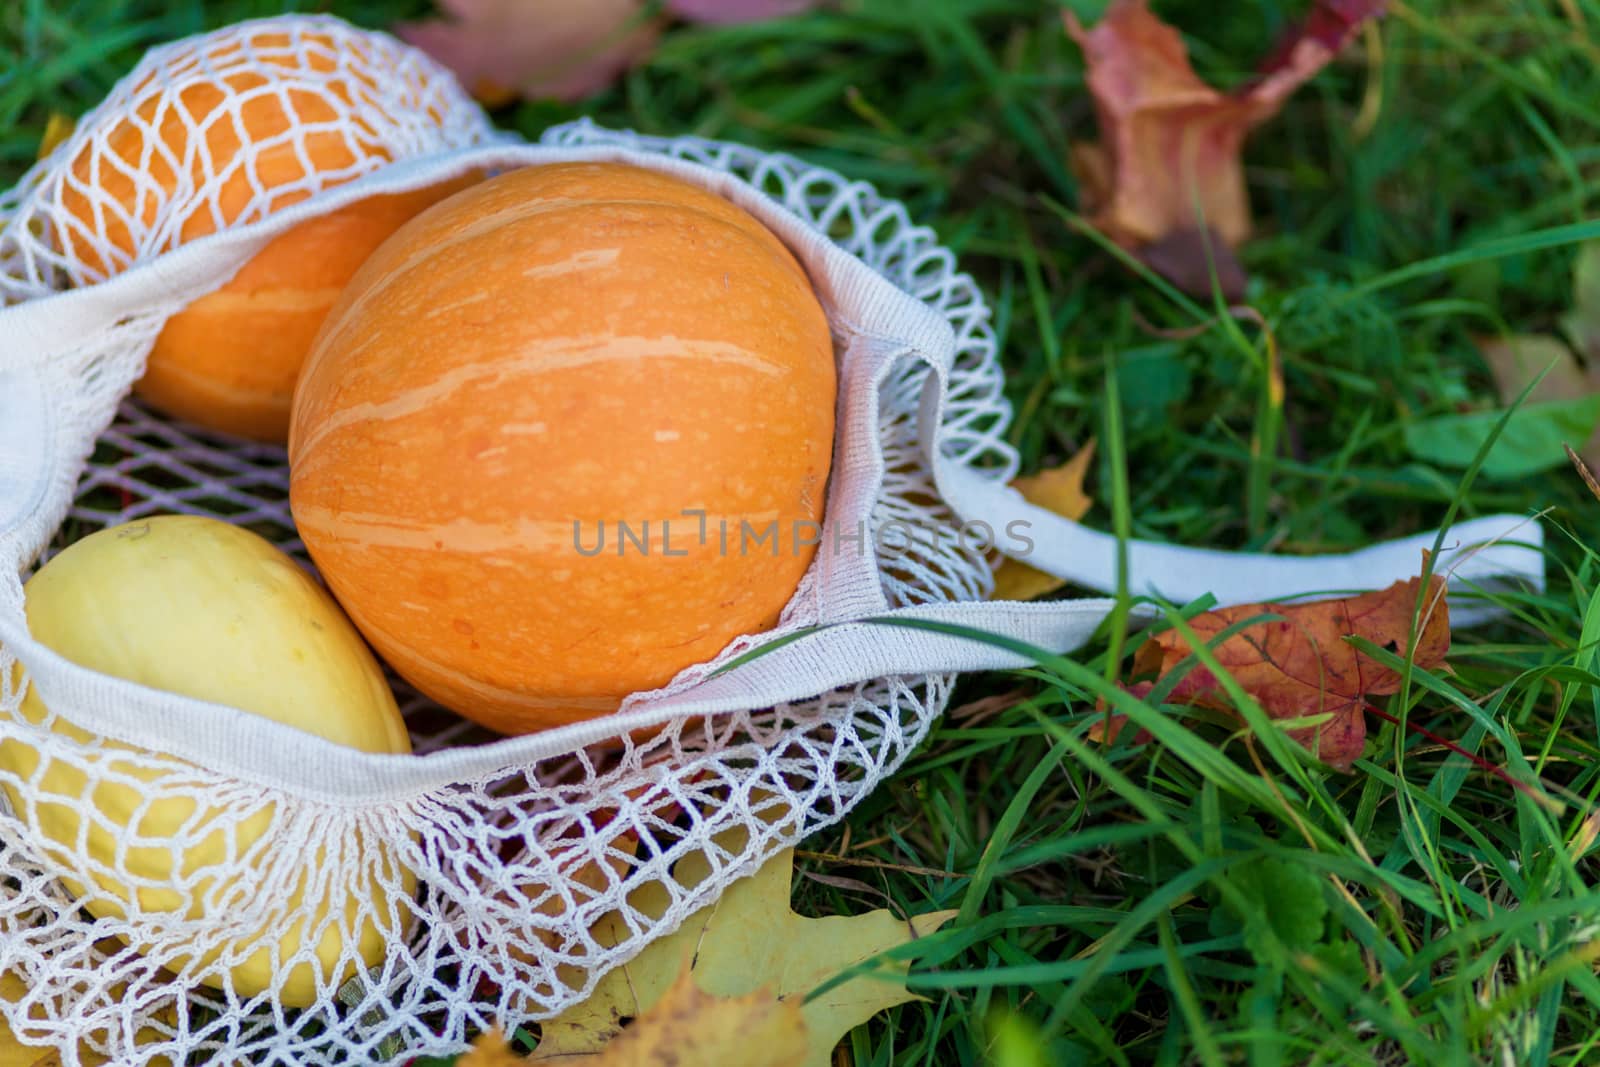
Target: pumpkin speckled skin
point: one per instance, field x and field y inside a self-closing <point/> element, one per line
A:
<point x="229" y="360"/>
<point x="198" y="607"/>
<point x="558" y="348"/>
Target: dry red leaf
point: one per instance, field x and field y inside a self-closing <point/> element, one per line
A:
<point x="1300" y="665"/>
<point x="1169" y="156"/>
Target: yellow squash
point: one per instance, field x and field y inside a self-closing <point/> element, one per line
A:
<point x="198" y="607"/>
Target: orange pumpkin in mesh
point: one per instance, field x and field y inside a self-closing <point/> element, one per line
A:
<point x="239" y="131"/>
<point x="565" y="434"/>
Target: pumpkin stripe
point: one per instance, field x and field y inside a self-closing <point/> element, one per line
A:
<point x="440" y="310"/>
<point x="554" y="354"/>
<point x="526" y="535"/>
<point x="588" y="259"/>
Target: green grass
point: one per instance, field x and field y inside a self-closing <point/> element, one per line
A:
<point x="1213" y="897"/>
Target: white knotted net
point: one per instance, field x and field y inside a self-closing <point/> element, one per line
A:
<point x="408" y="901"/>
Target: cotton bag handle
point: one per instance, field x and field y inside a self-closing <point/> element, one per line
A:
<point x="1477" y="556"/>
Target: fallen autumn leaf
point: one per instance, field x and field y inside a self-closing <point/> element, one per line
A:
<point x="57" y="128"/>
<point x="1301" y="665"/>
<point x="1169" y="157"/>
<point x="491" y="1050"/>
<point x="687" y="1027"/>
<point x="747" y="940"/>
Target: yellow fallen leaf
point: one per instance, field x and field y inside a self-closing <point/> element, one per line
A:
<point x="746" y="941"/>
<point x="687" y="1027"/>
<point x="57" y="128"/>
<point x="1059" y="489"/>
<point x="13" y="1053"/>
<point x="490" y="1050"/>
<point x="691" y="1028"/>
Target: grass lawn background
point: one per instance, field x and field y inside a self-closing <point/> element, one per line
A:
<point x="1204" y="901"/>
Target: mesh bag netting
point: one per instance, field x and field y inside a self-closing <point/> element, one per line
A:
<point x="479" y="866"/>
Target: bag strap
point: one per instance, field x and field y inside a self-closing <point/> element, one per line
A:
<point x="1478" y="556"/>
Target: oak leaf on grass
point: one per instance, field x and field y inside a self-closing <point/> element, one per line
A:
<point x="1166" y="178"/>
<point x="1301" y="665"/>
<point x="687" y="1027"/>
<point x="747" y="941"/>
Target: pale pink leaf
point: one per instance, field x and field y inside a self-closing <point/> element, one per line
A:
<point x="728" y="11"/>
<point x="502" y="49"/>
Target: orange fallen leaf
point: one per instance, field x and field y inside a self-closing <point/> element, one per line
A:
<point x="1168" y="166"/>
<point x="1300" y="665"/>
<point x="1107" y="728"/>
<point x="1058" y="489"/>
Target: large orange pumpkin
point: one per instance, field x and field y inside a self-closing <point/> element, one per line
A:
<point x="229" y="360"/>
<point x="524" y="367"/>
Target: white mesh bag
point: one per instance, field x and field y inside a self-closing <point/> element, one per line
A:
<point x="517" y="846"/>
